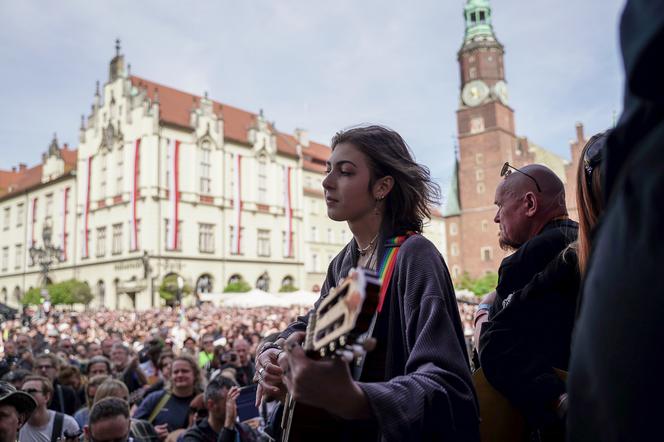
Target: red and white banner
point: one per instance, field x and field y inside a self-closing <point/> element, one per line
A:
<point x="133" y="225"/>
<point x="33" y="221"/>
<point x="288" y="209"/>
<point x="86" y="229"/>
<point x="63" y="217"/>
<point x="237" y="205"/>
<point x="173" y="193"/>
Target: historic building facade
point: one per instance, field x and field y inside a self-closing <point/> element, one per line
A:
<point x="486" y="140"/>
<point x="163" y="183"/>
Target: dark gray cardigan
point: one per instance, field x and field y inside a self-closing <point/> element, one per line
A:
<point x="427" y="394"/>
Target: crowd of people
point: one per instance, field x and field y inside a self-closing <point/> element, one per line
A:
<point x="570" y="296"/>
<point x="74" y="359"/>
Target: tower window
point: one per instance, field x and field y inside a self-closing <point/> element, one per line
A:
<point x="472" y="73"/>
<point x="479" y="158"/>
<point x="486" y="253"/>
<point x="473" y="17"/>
<point x="482" y="17"/>
<point x="480" y="187"/>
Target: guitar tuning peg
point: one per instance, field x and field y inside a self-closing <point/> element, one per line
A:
<point x="358" y="350"/>
<point x="369" y="344"/>
<point x="342" y="341"/>
<point x="346" y="356"/>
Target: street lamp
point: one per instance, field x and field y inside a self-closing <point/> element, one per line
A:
<point x="45" y="256"/>
<point x="178" y="296"/>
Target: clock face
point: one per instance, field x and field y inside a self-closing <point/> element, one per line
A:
<point x="500" y="91"/>
<point x="474" y="93"/>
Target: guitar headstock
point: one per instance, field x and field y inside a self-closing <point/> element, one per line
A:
<point x="343" y="316"/>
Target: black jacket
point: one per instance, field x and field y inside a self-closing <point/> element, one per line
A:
<point x="426" y="393"/>
<point x="615" y="389"/>
<point x="530" y="336"/>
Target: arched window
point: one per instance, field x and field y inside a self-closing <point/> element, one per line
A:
<point x="204" y="284"/>
<point x="288" y="281"/>
<point x="101" y="292"/>
<point x="235" y="278"/>
<point x="263" y="282"/>
<point x="5" y="296"/>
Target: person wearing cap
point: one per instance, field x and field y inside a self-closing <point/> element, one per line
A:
<point x="15" y="409"/>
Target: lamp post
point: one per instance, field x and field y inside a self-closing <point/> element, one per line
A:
<point x="46" y="256"/>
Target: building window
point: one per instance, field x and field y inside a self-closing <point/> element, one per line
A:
<point x="456" y="272"/>
<point x="262" y="181"/>
<point x="167" y="230"/>
<point x="330" y="236"/>
<point x="233" y="251"/>
<point x="18" y="256"/>
<point x="263" y="242"/>
<point x="476" y="125"/>
<point x="314" y="234"/>
<point x="472" y="73"/>
<point x="343" y="236"/>
<point x="454" y="249"/>
<point x="116" y="247"/>
<point x="314" y="262"/>
<point x="485" y="225"/>
<point x="205" y="238"/>
<point x="49" y="207"/>
<point x="19" y="215"/>
<point x="205" y="169"/>
<point x="480" y="188"/>
<point x="101" y="241"/>
<point x="479" y="158"/>
<point x="454" y="229"/>
<point x="5" y="258"/>
<point x="119" y="171"/>
<point x="482" y="17"/>
<point x="6" y="219"/>
<point x="102" y="176"/>
<point x="486" y="253"/>
<point x="284" y="244"/>
<point x="307" y="182"/>
<point x="479" y="174"/>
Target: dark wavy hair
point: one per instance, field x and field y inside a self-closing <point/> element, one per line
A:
<point x="414" y="192"/>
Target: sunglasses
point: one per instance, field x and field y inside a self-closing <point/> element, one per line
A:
<point x="31" y="391"/>
<point x="201" y="412"/>
<point x="593" y="156"/>
<point x="507" y="171"/>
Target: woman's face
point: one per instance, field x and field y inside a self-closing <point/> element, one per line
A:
<point x="346" y="185"/>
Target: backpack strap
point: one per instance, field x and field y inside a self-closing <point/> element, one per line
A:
<point x="61" y="398"/>
<point x="157" y="408"/>
<point x="57" y="427"/>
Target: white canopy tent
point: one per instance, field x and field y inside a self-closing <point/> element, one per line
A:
<point x="259" y="298"/>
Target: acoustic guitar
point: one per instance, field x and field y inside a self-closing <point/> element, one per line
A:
<point x="338" y="328"/>
<point x="500" y="421"/>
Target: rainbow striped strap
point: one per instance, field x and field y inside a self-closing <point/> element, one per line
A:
<point x="387" y="265"/>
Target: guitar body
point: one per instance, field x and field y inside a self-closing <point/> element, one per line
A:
<point x="500" y="421"/>
<point x="341" y="319"/>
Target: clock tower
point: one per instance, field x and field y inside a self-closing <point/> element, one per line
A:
<point x="486" y="139"/>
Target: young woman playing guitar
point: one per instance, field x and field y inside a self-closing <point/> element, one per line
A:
<point x="416" y="384"/>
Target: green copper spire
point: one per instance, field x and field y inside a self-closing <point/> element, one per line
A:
<point x="478" y="19"/>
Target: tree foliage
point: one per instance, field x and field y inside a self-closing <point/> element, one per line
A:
<point x="240" y="286"/>
<point x="479" y="286"/>
<point x="68" y="292"/>
<point x="168" y="289"/>
<point x="287" y="288"/>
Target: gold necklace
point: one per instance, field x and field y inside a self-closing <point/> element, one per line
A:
<point x="364" y="250"/>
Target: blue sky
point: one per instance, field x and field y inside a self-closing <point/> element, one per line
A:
<point x="320" y="65"/>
